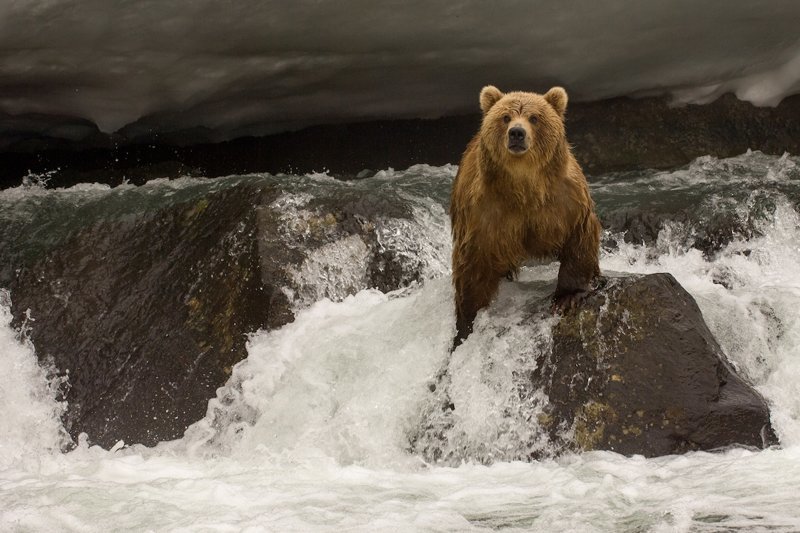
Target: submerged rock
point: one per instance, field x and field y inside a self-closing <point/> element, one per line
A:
<point x="147" y="310"/>
<point x="634" y="370"/>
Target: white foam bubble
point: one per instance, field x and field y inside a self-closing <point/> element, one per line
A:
<point x="30" y="425"/>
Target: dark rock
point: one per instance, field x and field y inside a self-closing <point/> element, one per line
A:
<point x="707" y="232"/>
<point x="147" y="311"/>
<point x="637" y="225"/>
<point x="634" y="370"/>
<point x="147" y="314"/>
<point x="626" y="133"/>
<point x="637" y="371"/>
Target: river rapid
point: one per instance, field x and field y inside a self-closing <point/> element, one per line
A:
<point x="311" y="433"/>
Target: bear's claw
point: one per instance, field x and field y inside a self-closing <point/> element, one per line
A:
<point x="567" y="302"/>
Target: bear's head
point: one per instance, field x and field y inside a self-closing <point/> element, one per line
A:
<point x="522" y="127"/>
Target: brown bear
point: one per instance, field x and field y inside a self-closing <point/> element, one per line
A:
<point x="520" y="193"/>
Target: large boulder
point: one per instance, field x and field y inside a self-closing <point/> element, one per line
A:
<point x="637" y="371"/>
<point x="634" y="370"/>
<point x="146" y="304"/>
<point x="145" y="313"/>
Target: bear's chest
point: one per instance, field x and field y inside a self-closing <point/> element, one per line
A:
<point x="546" y="230"/>
<point x="537" y="230"/>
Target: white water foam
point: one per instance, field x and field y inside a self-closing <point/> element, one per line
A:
<point x="340" y="267"/>
<point x="327" y="385"/>
<point x="332" y="402"/>
<point x="30" y="424"/>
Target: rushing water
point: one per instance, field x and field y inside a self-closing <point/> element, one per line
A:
<point x="312" y="431"/>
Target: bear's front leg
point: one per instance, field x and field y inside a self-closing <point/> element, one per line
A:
<point x="474" y="291"/>
<point x="580" y="264"/>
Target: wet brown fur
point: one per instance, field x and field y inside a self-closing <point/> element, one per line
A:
<point x="506" y="208"/>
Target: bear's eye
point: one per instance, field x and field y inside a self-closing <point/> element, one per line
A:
<point x="534" y="119"/>
<point x="506" y="119"/>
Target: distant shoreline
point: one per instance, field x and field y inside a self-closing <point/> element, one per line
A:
<point x="609" y="135"/>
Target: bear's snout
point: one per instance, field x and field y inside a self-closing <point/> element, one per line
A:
<point x="516" y="139"/>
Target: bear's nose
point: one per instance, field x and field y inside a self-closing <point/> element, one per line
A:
<point x="516" y="134"/>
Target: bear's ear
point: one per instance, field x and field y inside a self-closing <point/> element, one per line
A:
<point x="557" y="97"/>
<point x="489" y="96"/>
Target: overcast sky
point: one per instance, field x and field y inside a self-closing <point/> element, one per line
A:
<point x="284" y="64"/>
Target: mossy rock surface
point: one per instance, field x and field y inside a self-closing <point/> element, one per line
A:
<point x="637" y="371"/>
